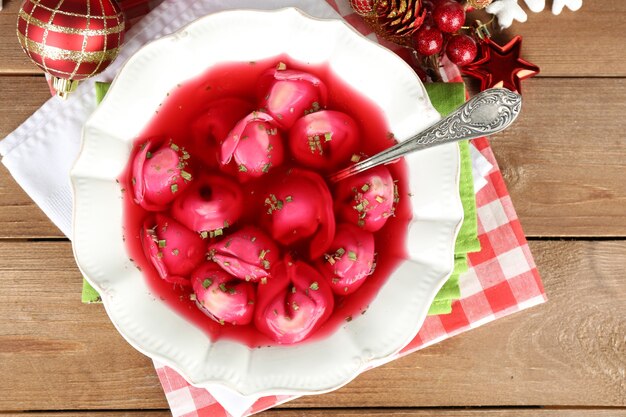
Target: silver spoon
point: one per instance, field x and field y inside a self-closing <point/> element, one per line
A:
<point x="488" y="112"/>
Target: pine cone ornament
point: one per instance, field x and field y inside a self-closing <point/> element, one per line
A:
<point x="396" y="20"/>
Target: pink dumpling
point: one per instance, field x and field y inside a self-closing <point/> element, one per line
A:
<point x="212" y="203"/>
<point x="256" y="145"/>
<point x="222" y="298"/>
<point x="298" y="206"/>
<point x="247" y="254"/>
<point x="294" y="303"/>
<point x="349" y="260"/>
<point x="324" y="140"/>
<point x="210" y="129"/>
<point x="288" y="95"/>
<point x="159" y="173"/>
<point x="173" y="249"/>
<point x="367" y="199"/>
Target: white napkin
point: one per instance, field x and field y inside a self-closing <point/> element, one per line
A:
<point x="480" y="168"/>
<point x="234" y="403"/>
<point x="40" y="152"/>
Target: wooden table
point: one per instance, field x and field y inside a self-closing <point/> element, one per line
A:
<point x="565" y="165"/>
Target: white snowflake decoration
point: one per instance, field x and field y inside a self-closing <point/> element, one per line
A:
<point x="508" y="10"/>
<point x="535" y="5"/>
<point x="573" y="5"/>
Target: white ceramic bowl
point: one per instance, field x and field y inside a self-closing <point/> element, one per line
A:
<point x="397" y="312"/>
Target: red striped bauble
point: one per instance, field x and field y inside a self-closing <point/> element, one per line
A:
<point x="70" y="39"/>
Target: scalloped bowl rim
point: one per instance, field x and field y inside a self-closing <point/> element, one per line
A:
<point x="155" y="330"/>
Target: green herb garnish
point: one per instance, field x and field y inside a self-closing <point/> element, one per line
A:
<point x="186" y="176"/>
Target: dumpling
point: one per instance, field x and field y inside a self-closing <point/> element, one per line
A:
<point x="349" y="260"/>
<point x="288" y="95"/>
<point x="256" y="145"/>
<point x="173" y="249"/>
<point x="211" y="204"/>
<point x="222" y="297"/>
<point x="325" y="140"/>
<point x="159" y="173"/>
<point x="293" y="303"/>
<point x="367" y="199"/>
<point x="247" y="254"/>
<point x="298" y="210"/>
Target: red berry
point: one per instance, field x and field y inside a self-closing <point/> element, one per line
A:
<point x="461" y="49"/>
<point x="429" y="40"/>
<point x="449" y="16"/>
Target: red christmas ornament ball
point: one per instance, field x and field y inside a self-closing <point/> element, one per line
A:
<point x="461" y="49"/>
<point x="428" y="40"/>
<point x="362" y="7"/>
<point x="72" y="39"/>
<point x="449" y="16"/>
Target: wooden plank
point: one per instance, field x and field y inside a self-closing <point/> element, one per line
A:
<point x="563" y="161"/>
<point x="585" y="43"/>
<point x="14" y="60"/>
<point x="68" y="354"/>
<point x="20" y="96"/>
<point x="509" y="412"/>
<point x="58" y="354"/>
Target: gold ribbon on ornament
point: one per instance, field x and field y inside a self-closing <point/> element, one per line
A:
<point x="53" y="52"/>
<point x="73" y="31"/>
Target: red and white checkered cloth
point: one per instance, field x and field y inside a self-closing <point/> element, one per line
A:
<point x="502" y="278"/>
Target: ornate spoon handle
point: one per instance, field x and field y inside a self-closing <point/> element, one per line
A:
<point x="488" y="112"/>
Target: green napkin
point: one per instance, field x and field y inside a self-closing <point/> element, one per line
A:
<point x="445" y="98"/>
<point x="101" y="90"/>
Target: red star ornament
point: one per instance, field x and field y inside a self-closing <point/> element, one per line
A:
<point x="500" y="66"/>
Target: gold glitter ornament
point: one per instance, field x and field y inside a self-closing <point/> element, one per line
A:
<point x="478" y="4"/>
